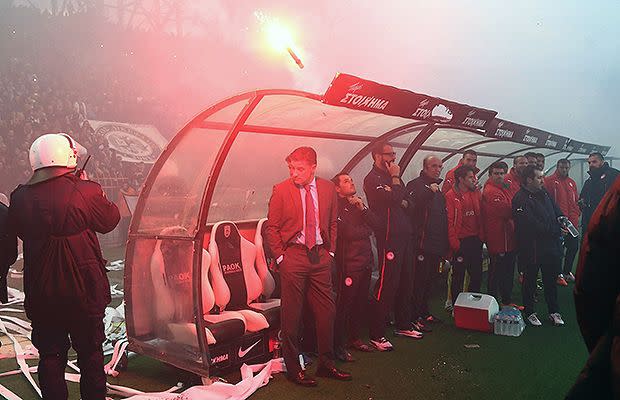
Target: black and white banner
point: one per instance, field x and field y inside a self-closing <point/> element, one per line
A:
<point x="133" y="142"/>
<point x="360" y="94"/>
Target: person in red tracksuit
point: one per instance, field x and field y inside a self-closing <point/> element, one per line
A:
<point x="470" y="158"/>
<point x="513" y="177"/>
<point x="499" y="228"/>
<point x="465" y="230"/>
<point x="563" y="190"/>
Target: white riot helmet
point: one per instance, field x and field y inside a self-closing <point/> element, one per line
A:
<point x="55" y="150"/>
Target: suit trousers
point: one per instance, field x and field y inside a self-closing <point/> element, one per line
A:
<point x="304" y="283"/>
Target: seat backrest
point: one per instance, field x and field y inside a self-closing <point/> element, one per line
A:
<point x="262" y="266"/>
<point x="167" y="306"/>
<point x="233" y="274"/>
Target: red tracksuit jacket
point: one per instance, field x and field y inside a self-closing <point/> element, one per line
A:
<point x="564" y="193"/>
<point x="464" y="217"/>
<point x="497" y="221"/>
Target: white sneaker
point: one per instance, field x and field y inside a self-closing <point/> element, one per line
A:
<point x="382" y="344"/>
<point x="570" y="277"/>
<point x="556" y="318"/>
<point x="533" y="320"/>
<point x="412" y="333"/>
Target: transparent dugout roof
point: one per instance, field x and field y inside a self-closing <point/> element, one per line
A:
<point x="224" y="163"/>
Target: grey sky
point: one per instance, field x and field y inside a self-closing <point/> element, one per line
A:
<point x="554" y="65"/>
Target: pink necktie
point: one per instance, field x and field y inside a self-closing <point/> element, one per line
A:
<point x="310" y="231"/>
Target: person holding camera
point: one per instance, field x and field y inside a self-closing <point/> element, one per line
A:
<point x="538" y="231"/>
<point x="57" y="214"/>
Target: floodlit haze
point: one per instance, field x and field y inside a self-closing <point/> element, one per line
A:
<point x="552" y="65"/>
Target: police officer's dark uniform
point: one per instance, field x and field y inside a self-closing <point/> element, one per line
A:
<point x="65" y="279"/>
<point x="354" y="261"/>
<point x="393" y="288"/>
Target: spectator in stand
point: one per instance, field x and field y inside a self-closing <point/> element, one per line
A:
<point x="538" y="239"/>
<point x="499" y="228"/>
<point x="563" y="190"/>
<point x="602" y="177"/>
<point x="470" y="158"/>
<point x="429" y="221"/>
<point x="465" y="230"/>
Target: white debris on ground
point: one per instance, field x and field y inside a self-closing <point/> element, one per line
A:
<point x="15" y="335"/>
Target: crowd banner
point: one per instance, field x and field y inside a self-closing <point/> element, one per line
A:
<point x="133" y="142"/>
<point x="507" y="130"/>
<point x="361" y="94"/>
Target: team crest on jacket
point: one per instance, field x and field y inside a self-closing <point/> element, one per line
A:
<point x="226" y="231"/>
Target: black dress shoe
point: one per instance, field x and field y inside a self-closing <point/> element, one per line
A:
<point x="333" y="373"/>
<point x="301" y="379"/>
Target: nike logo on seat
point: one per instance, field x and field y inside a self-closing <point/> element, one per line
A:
<point x="242" y="353"/>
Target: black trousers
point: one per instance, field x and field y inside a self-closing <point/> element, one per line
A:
<point x="467" y="258"/>
<point x="571" y="244"/>
<point x="501" y="276"/>
<point x="351" y="303"/>
<point x="310" y="284"/>
<point x="392" y="290"/>
<point x="425" y="270"/>
<point x="51" y="338"/>
<point x="549" y="268"/>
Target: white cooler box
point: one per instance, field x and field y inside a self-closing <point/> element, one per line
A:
<point x="475" y="311"/>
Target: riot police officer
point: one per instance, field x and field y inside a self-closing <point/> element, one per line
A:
<point x="57" y="215"/>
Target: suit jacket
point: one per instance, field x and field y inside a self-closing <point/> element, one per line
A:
<point x="285" y="217"/>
